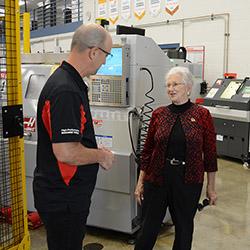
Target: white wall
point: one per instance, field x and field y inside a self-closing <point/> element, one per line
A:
<point x="203" y="32"/>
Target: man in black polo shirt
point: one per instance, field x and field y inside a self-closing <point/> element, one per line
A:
<point x="67" y="153"/>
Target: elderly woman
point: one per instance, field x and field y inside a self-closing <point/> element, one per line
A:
<point x="179" y="148"/>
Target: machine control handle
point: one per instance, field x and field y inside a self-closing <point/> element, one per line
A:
<point x="27" y="134"/>
<point x="222" y="106"/>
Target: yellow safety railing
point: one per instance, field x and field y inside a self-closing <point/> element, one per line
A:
<point x="13" y="212"/>
<point x="26" y="32"/>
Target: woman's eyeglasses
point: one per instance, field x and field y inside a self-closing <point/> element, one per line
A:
<point x="174" y="84"/>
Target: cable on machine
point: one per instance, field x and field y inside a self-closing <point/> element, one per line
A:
<point x="144" y="115"/>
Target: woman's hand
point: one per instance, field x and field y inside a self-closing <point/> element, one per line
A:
<point x="211" y="195"/>
<point x="139" y="191"/>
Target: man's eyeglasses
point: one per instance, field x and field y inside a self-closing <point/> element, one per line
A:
<point x="106" y="52"/>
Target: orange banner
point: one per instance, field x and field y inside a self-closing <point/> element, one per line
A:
<point x="102" y="9"/>
<point x="113" y="11"/>
<point x="125" y="9"/>
<point x="139" y="9"/>
<point x="172" y="6"/>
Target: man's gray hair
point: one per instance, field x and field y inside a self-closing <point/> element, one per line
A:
<point x="184" y="72"/>
<point x="87" y="36"/>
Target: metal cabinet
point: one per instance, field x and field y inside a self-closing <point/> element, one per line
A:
<point x="232" y="137"/>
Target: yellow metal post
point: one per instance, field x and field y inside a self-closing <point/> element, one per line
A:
<point x="25" y="243"/>
<point x="19" y="228"/>
<point x="26" y="32"/>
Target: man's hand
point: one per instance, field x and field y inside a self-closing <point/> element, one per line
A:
<point x="107" y="158"/>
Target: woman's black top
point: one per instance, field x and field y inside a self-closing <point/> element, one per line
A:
<point x="177" y="143"/>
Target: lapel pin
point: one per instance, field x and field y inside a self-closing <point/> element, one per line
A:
<point x="192" y="119"/>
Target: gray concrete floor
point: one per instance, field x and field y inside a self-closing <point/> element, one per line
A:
<point x="222" y="227"/>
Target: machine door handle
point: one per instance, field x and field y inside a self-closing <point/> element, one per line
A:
<point x="222" y="106"/>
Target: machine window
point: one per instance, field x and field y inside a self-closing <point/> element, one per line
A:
<point x="35" y="85"/>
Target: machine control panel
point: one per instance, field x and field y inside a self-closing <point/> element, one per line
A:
<point x="109" y="87"/>
<point x="230" y="93"/>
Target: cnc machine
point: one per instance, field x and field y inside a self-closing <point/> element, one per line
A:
<point x="229" y="103"/>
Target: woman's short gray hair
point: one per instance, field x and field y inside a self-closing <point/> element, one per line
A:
<point x="87" y="36"/>
<point x="184" y="72"/>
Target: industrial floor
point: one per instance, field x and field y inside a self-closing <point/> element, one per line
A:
<point x="222" y="227"/>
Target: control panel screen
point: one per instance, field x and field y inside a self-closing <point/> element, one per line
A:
<point x="113" y="66"/>
<point x="246" y="90"/>
<point x="231" y="89"/>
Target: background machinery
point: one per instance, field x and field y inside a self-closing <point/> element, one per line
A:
<point x="229" y="103"/>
